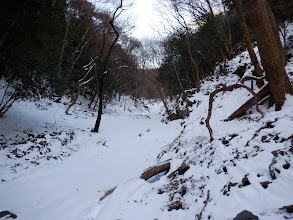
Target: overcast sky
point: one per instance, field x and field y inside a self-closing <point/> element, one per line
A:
<point x="144" y="14"/>
<point x="146" y="18"/>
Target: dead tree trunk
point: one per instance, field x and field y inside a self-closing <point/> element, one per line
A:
<point x="152" y="171"/>
<point x="270" y="49"/>
<point x="257" y="69"/>
<point x="265" y="91"/>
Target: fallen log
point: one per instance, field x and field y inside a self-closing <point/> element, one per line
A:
<point x="265" y="91"/>
<point x="147" y="174"/>
<point x="152" y="171"/>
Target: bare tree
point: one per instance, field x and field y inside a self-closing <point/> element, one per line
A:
<point x="102" y="79"/>
<point x="178" y="15"/>
<point x="75" y="10"/>
<point x="9" y="96"/>
<point x="150" y="59"/>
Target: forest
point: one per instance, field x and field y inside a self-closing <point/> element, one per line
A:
<point x="98" y="124"/>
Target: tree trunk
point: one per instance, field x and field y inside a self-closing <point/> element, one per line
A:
<point x="64" y="43"/>
<point x="210" y="7"/>
<point x="275" y="28"/>
<point x="284" y="35"/>
<point x="197" y="83"/>
<point x="103" y="76"/>
<point x="100" y="112"/>
<point x="270" y="49"/>
<point x="257" y="69"/>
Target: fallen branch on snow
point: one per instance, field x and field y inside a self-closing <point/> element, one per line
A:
<point x="223" y="89"/>
<point x="199" y="216"/>
<point x="109" y="192"/>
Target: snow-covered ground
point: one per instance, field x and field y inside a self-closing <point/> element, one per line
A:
<point x="53" y="167"/>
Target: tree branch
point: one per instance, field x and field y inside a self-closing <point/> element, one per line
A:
<point x="222" y="89"/>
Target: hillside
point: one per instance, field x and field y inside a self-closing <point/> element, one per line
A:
<point x="53" y="167"/>
<point x="248" y="166"/>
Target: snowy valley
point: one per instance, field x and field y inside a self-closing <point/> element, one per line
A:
<point x="53" y="167"/>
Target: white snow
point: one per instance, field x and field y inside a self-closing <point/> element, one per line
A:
<point x="53" y="167"/>
<point x="70" y="187"/>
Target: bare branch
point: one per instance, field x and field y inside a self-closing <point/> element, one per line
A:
<point x="227" y="88"/>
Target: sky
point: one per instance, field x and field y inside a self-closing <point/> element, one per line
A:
<point x="146" y="19"/>
<point x="146" y="16"/>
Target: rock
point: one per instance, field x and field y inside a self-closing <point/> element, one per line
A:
<point x="275" y="153"/>
<point x="225" y="169"/>
<point x="174" y="116"/>
<point x="175" y="205"/>
<point x="180" y="114"/>
<point x="7" y="214"/>
<point x="183" y="191"/>
<point x="245" y="181"/>
<point x="289" y="208"/>
<point x="265" y="184"/>
<point x="286" y="166"/>
<point x="180" y="171"/>
<point x="245" y="215"/>
<point x="240" y="71"/>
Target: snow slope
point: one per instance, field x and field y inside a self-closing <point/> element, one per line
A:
<point x="226" y="176"/>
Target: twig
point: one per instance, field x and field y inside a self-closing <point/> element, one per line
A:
<point x="272" y="172"/>
<point x="109" y="192"/>
<point x="205" y="204"/>
<point x="246" y="78"/>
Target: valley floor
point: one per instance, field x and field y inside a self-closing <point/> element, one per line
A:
<point x="53" y="167"/>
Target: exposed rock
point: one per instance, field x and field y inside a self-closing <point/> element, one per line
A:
<point x="180" y="171"/>
<point x="7" y="214"/>
<point x="265" y="184"/>
<point x="175" y="205"/>
<point x="240" y="71"/>
<point x="286" y="166"/>
<point x="183" y="191"/>
<point x="180" y="114"/>
<point x="288" y="208"/>
<point x="174" y="116"/>
<point x="245" y="181"/>
<point x="275" y="153"/>
<point x="245" y="215"/>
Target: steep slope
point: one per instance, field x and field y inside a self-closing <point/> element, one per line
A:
<point x="248" y="166"/>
